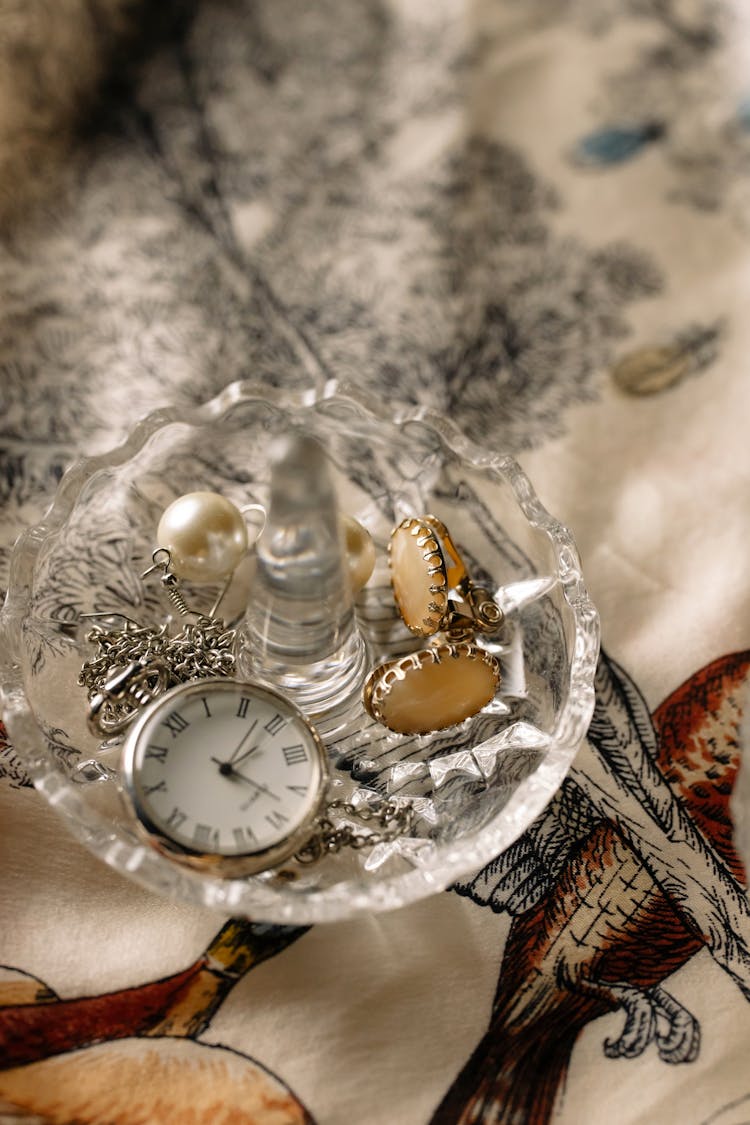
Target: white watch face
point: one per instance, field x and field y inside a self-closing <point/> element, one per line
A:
<point x="224" y="768"/>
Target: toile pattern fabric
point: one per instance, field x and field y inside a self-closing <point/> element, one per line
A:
<point x="534" y="217"/>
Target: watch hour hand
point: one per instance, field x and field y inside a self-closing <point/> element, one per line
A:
<point x="234" y="762"/>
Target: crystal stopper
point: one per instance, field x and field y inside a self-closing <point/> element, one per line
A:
<point x="299" y="632"/>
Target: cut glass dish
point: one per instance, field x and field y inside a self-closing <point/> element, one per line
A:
<point x="474" y="787"/>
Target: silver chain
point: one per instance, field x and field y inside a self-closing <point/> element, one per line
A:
<point x="392" y="819"/>
<point x="201" y="649"/>
<point x="135" y="663"/>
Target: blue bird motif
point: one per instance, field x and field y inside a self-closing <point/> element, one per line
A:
<point x="614" y="144"/>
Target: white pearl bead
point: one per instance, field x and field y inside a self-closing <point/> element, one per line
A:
<point x="360" y="552"/>
<point x="205" y="534"/>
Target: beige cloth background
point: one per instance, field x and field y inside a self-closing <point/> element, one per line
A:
<point x="265" y="182"/>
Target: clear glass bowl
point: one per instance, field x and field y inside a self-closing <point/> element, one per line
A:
<point x="475" y="787"/>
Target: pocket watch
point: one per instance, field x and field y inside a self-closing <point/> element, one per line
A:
<point x="225" y="776"/>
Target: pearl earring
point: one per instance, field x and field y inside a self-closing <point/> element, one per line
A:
<point x="205" y="534"/>
<point x="202" y="537"/>
<point x="360" y="552"/>
<point x="453" y="678"/>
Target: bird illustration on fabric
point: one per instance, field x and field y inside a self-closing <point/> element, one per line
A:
<point x="132" y="1055"/>
<point x="593" y="929"/>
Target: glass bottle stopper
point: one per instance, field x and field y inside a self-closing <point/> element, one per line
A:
<point x="299" y="632"/>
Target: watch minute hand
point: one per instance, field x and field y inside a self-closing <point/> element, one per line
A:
<point x="257" y="785"/>
<point x="242" y="742"/>
<point x="229" y="771"/>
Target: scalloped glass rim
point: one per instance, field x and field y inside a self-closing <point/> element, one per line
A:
<point x="237" y="896"/>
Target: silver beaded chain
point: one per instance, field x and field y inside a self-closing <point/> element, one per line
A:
<point x="393" y="819"/>
<point x="133" y="664"/>
<point x="200" y="649"/>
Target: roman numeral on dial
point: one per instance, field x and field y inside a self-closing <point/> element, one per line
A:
<point x="161" y="787"/>
<point x="205" y="836"/>
<point x="175" y="723"/>
<point x="294" y="755"/>
<point x="158" y="752"/>
<point x="277" y="819"/>
<point x="243" y="837"/>
<point x="176" y="818"/>
<point x="274" y="725"/>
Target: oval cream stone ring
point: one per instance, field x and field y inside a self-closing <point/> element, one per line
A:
<point x="431" y="585"/>
<point x="432" y="689"/>
<point x="425" y="565"/>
